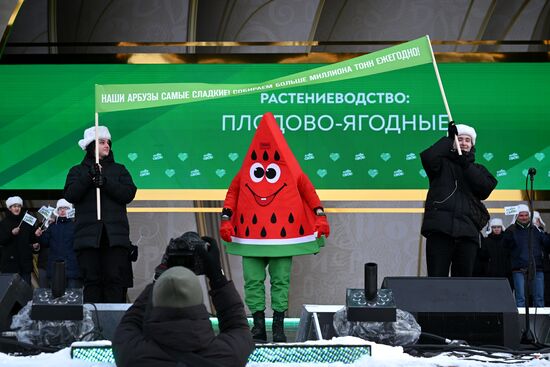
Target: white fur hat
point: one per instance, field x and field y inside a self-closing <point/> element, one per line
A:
<point x="521" y="208"/>
<point x="467" y="130"/>
<point x="89" y="135"/>
<point x="62" y="203"/>
<point x="495" y="222"/>
<point x="536" y="215"/>
<point x="14" y="200"/>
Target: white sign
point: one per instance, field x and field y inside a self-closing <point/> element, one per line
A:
<point x="511" y="210"/>
<point x="29" y="219"/>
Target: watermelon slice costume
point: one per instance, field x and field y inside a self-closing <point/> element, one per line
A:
<point x="271" y="213"/>
<point x="272" y="200"/>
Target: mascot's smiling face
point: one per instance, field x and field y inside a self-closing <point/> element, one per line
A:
<point x="265" y="174"/>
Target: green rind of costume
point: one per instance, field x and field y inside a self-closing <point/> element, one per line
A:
<point x="262" y="250"/>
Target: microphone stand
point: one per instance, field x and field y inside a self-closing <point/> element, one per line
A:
<point x="527" y="336"/>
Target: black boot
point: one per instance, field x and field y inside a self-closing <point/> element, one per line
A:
<point x="278" y="327"/>
<point x="258" y="330"/>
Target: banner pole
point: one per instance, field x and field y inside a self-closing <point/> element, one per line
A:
<point x="443" y="92"/>
<point x="98" y="191"/>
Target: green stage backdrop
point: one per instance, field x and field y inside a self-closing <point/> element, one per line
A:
<point x="361" y="133"/>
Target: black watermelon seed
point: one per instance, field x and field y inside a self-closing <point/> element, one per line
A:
<point x="253" y="155"/>
<point x="263" y="233"/>
<point x="266" y="156"/>
<point x="247" y="232"/>
<point x="291" y="218"/>
<point x="277" y="156"/>
<point x="273" y="218"/>
<point x="242" y="219"/>
<point x="301" y="230"/>
<point x="283" y="232"/>
<point x="254" y="219"/>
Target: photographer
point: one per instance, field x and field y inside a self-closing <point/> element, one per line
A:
<point x="168" y="324"/>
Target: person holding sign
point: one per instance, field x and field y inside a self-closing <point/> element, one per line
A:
<point x="17" y="240"/>
<point x="101" y="239"/>
<point x="58" y="239"/>
<point x="453" y="212"/>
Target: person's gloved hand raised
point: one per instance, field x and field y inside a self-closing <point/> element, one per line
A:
<point x="452" y="131"/>
<point x="212" y="264"/>
<point x="97" y="177"/>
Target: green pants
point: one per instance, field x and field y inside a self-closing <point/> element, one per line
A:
<point x="254" y="282"/>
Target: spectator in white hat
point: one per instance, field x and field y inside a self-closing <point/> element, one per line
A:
<point x="516" y="238"/>
<point x="102" y="246"/>
<point x="58" y="239"/>
<point x="17" y="241"/>
<point x="494" y="256"/>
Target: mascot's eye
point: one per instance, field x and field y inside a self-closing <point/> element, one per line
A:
<point x="273" y="173"/>
<point x="257" y="172"/>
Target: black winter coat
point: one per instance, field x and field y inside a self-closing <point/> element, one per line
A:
<point x="16" y="250"/>
<point x="118" y="191"/>
<point x="157" y="336"/>
<point x="448" y="203"/>
<point x="59" y="238"/>
<point x="495" y="257"/>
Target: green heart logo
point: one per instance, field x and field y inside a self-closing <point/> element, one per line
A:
<point x="220" y="172"/>
<point x="334" y="156"/>
<point x="422" y="173"/>
<point x="385" y="156"/>
<point x="132" y="156"/>
<point x="183" y="156"/>
<point x="170" y="172"/>
<point x="373" y="172"/>
<point x="539" y="156"/>
<point x="233" y="156"/>
<point x="488" y="156"/>
<point x="322" y="172"/>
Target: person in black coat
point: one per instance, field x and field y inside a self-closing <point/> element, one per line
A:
<point x="494" y="256"/>
<point x="453" y="212"/>
<point x="102" y="246"/>
<point x="18" y="241"/>
<point x="168" y="324"/>
<point x="58" y="239"/>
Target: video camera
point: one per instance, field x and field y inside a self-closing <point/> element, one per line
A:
<point x="183" y="251"/>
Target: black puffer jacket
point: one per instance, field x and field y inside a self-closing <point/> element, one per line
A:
<point x="163" y="336"/>
<point x="447" y="207"/>
<point x="16" y="250"/>
<point x="118" y="191"/>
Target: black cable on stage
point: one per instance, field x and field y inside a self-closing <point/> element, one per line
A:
<point x="98" y="332"/>
<point x="28" y="346"/>
<point x="462" y="349"/>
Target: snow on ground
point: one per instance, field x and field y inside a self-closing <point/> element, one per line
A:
<point x="382" y="356"/>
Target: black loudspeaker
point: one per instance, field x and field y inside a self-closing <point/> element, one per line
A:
<point x="14" y="295"/>
<point x="481" y="311"/>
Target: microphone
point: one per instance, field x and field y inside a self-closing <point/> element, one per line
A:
<point x="532" y="171"/>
